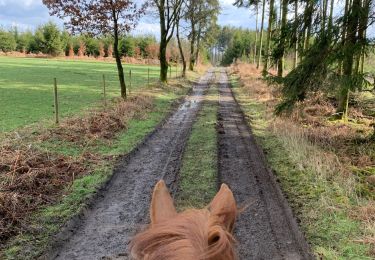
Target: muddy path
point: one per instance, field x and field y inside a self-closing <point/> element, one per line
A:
<point x="267" y="228"/>
<point x="105" y="230"/>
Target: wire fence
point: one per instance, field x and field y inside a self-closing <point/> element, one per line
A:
<point x="134" y="78"/>
<point x="29" y="93"/>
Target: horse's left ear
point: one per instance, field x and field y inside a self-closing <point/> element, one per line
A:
<point x="162" y="207"/>
<point x="223" y="206"/>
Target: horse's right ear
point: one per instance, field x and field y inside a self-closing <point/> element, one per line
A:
<point x="162" y="207"/>
<point x="223" y="206"/>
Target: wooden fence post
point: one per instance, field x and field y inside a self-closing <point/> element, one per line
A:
<point x="130" y="80"/>
<point x="148" y="77"/>
<point x="104" y="91"/>
<point x="56" y="105"/>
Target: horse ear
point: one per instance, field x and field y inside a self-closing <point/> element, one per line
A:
<point x="162" y="207"/>
<point x="223" y="206"/>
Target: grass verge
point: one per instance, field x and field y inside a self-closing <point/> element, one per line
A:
<point x="198" y="174"/>
<point x="36" y="234"/>
<point x="319" y="188"/>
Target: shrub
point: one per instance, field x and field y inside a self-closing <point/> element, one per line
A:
<point x="48" y="39"/>
<point x="110" y="51"/>
<point x="7" y="41"/>
<point x="82" y="49"/>
<point x="127" y="46"/>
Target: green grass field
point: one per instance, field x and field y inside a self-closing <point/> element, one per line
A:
<point x="26" y="86"/>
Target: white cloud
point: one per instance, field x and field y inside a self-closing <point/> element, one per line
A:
<point x="147" y="28"/>
<point x="21" y="3"/>
<point x="234" y="16"/>
<point x="31" y="2"/>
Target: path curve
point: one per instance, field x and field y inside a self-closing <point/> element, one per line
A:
<point x="106" y="229"/>
<point x="267" y="228"/>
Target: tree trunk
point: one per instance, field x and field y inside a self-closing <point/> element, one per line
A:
<point x="352" y="27"/>
<point x="295" y="60"/>
<point x="280" y="12"/>
<point x="198" y="44"/>
<point x="261" y="35"/>
<point x="269" y="31"/>
<point x="213" y="53"/>
<point x="363" y="20"/>
<point x="280" y="65"/>
<point x="279" y="26"/>
<point x="308" y="21"/>
<point x="192" y="48"/>
<point x="120" y="69"/>
<point x="197" y="56"/>
<point x="324" y="16"/>
<point x="323" y="11"/>
<point x="304" y="33"/>
<point x="363" y="59"/>
<point x="343" y="35"/>
<point x="163" y="49"/>
<point x="330" y="19"/>
<point x="256" y="32"/>
<point x="180" y="49"/>
<point x="163" y="61"/>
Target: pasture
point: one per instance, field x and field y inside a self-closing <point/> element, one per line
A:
<point x="26" y="86"/>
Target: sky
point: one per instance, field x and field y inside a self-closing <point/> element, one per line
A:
<point x="29" y="14"/>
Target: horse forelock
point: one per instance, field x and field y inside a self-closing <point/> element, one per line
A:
<point x="193" y="234"/>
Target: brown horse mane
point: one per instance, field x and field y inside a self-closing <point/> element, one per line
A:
<point x="192" y="234"/>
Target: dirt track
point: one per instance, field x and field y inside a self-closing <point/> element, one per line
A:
<point x="266" y="230"/>
<point x="105" y="230"/>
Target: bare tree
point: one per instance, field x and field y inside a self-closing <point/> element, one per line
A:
<point x="201" y="15"/>
<point x="282" y="41"/>
<point x="269" y="34"/>
<point x="168" y="11"/>
<point x="99" y="17"/>
<point x="178" y="24"/>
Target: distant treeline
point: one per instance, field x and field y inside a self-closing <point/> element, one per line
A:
<point x="49" y="39"/>
<point x="236" y="43"/>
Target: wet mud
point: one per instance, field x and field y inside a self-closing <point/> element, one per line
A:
<point x="266" y="229"/>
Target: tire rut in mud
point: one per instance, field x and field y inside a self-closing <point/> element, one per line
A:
<point x="105" y="230"/>
<point x="267" y="228"/>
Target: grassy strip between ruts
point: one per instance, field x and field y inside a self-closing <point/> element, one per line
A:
<point x="35" y="238"/>
<point x="198" y="175"/>
<point x="314" y="187"/>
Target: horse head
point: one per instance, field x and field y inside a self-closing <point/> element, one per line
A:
<point x="192" y="234"/>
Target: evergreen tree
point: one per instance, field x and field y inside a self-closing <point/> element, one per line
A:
<point x="48" y="38"/>
<point x="7" y="41"/>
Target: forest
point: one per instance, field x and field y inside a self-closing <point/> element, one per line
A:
<point x="326" y="45"/>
